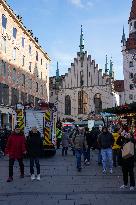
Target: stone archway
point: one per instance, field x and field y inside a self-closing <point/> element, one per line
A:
<point x="97" y="103"/>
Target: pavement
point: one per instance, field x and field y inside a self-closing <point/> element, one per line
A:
<point x="61" y="184"/>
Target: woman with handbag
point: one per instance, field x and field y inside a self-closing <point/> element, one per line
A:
<point x="127" y="162"/>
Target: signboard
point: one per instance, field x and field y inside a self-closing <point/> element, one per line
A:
<point x="90" y="124"/>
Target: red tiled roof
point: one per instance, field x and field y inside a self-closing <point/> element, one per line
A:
<point x="133" y="11"/>
<point x="119" y="85"/>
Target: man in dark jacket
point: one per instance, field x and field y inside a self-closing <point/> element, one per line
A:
<point x="105" y="141"/>
<point x="35" y="145"/>
<point x="15" y="149"/>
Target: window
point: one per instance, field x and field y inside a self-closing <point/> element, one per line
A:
<point x="46" y="66"/>
<point x="41" y="89"/>
<point x="41" y="75"/>
<point x="46" y="79"/>
<point x="14" y="33"/>
<point x="89" y="74"/>
<point x="30" y="83"/>
<point x="14" y="75"/>
<point x="131" y="75"/>
<point x="67" y="105"/>
<point x="131" y="86"/>
<point x="41" y="61"/>
<point x="14" y="53"/>
<point x="4" y="21"/>
<point x="131" y="26"/>
<point x="23" y="42"/>
<point x="130" y="97"/>
<point x="5" y="69"/>
<point x="36" y="56"/>
<point x="23" y="61"/>
<point x="30" y="49"/>
<point x="23" y="80"/>
<point x="30" y="66"/>
<point x="4" y="46"/>
<point x="36" y="87"/>
<point x="135" y="24"/>
<point x="131" y="64"/>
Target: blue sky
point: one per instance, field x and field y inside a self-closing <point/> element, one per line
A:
<point x="57" y="25"/>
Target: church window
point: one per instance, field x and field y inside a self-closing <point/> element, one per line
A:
<point x="67" y="105"/>
<point x="98" y="103"/>
<point x="89" y="74"/>
<point x="131" y="64"/>
<point x="82" y="102"/>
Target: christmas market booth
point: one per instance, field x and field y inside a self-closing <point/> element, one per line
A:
<point x="125" y="114"/>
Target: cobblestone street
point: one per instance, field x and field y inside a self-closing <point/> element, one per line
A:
<point x="62" y="184"/>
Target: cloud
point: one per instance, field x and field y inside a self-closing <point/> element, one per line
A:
<point x="82" y="3"/>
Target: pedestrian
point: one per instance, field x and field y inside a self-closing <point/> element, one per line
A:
<point x="59" y="137"/>
<point x="89" y="141"/>
<point x="105" y="141"/>
<point x="4" y="134"/>
<point x="35" y="146"/>
<point x="15" y="149"/>
<point x="127" y="163"/>
<point x="116" y="148"/>
<point x="79" y="142"/>
<point x="65" y="142"/>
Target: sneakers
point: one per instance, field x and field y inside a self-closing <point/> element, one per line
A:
<point x="10" y="179"/>
<point x="132" y="188"/>
<point x="104" y="171"/>
<point x="38" y="177"/>
<point x="32" y="177"/>
<point x="123" y="187"/>
<point x="111" y="171"/>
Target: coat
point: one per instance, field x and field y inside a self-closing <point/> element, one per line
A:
<point x="16" y="146"/>
<point x="34" y="144"/>
<point x="105" y="140"/>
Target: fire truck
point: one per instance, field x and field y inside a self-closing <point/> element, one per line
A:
<point x="44" y="118"/>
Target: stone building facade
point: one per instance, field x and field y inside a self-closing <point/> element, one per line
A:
<point x="24" y="65"/>
<point x="84" y="89"/>
<point x="129" y="58"/>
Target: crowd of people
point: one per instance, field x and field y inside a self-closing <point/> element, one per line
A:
<point x="110" y="144"/>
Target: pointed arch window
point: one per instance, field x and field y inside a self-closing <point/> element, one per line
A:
<point x="67" y="105"/>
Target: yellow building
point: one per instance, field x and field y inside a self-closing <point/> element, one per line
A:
<point x="24" y="66"/>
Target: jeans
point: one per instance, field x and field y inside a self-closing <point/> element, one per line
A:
<point x="128" y="171"/>
<point x="36" y="161"/>
<point x="64" y="150"/>
<point x="78" y="153"/>
<point x="107" y="156"/>
<point x="86" y="153"/>
<point x="116" y="157"/>
<point x="11" y="164"/>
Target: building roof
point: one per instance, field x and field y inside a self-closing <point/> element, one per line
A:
<point x="119" y="85"/>
<point x="133" y="11"/>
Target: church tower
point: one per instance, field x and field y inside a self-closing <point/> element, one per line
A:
<point x="129" y="57"/>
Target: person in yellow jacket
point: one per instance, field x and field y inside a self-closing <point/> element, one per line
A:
<point x="116" y="148"/>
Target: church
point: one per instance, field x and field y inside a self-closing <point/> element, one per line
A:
<point x="84" y="89"/>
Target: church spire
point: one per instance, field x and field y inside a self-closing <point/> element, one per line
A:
<point x="123" y="40"/>
<point x="81" y="41"/>
<point x="106" y="65"/>
<point x="57" y="71"/>
<point x="111" y="73"/>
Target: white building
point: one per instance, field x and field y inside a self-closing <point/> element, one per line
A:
<point x="129" y="58"/>
<point x="84" y="89"/>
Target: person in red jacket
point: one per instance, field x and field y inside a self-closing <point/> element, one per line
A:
<point x="15" y="149"/>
